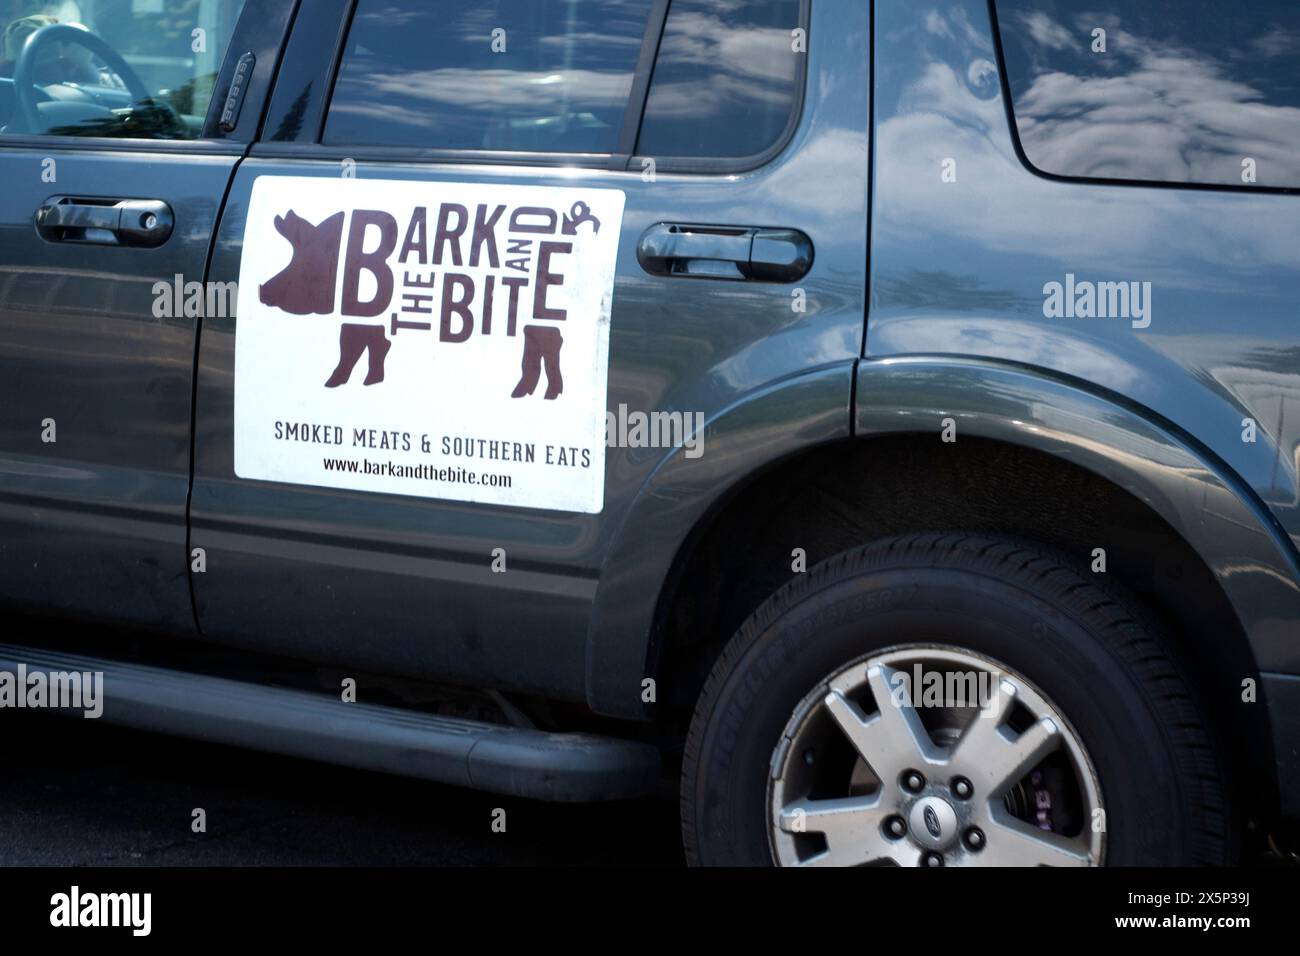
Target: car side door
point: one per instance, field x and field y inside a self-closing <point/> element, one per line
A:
<point x="115" y="158"/>
<point x="438" y="460"/>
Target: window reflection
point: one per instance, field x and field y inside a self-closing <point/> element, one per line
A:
<point x="725" y="78"/>
<point x="546" y="75"/>
<point x="1172" y="91"/>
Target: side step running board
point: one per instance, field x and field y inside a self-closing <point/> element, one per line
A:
<point x="508" y="760"/>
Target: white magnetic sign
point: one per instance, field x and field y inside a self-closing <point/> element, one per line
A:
<point x="437" y="339"/>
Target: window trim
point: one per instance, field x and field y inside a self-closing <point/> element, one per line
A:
<point x="639" y="92"/>
<point x="121" y="144"/>
<point x="312" y="147"/>
<point x="308" y="67"/>
<point x="1004" y="81"/>
<point x="286" y="149"/>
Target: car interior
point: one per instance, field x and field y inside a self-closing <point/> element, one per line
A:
<point x="116" y="68"/>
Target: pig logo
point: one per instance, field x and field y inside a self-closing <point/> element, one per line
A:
<point x="306" y="287"/>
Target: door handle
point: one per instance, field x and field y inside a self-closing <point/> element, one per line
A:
<point x="113" y="222"/>
<point x="725" y="252"/>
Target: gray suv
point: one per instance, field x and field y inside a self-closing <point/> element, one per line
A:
<point x="873" y="415"/>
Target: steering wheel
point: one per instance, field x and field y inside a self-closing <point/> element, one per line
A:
<point x="25" y="68"/>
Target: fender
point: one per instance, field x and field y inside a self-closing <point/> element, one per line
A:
<point x="786" y="417"/>
<point x="1197" y="494"/>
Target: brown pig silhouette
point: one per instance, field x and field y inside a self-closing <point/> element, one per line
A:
<point x="306" y="285"/>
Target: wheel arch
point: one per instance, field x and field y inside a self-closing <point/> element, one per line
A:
<point x="1028" y="430"/>
<point x="677" y="503"/>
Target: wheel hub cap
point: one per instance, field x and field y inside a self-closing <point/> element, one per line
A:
<point x="933" y="823"/>
<point x="866" y="775"/>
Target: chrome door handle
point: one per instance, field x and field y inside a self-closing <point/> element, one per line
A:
<point x="725" y="252"/>
<point x="113" y="222"/>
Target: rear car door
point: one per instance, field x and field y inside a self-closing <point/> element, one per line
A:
<point x="114" y="160"/>
<point x="470" y="269"/>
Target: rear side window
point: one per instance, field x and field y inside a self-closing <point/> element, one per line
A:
<point x="1172" y="91"/>
<point x="556" y="76"/>
<point x="726" y="79"/>
<point x="542" y="75"/>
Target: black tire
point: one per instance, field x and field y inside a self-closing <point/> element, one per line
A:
<point x="1094" y="652"/>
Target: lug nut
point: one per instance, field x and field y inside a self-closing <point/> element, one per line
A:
<point x="913" y="781"/>
<point x="809" y="757"/>
<point x="975" y="838"/>
<point x="962" y="787"/>
<point x="932" y="859"/>
<point x="895" y="826"/>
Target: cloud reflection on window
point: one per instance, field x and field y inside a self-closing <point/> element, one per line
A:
<point x="724" y="80"/>
<point x="1172" y="99"/>
<point x="421" y="73"/>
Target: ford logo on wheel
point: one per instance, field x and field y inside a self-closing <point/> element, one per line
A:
<point x="932" y="823"/>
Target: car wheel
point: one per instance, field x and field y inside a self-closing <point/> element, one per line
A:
<point x="953" y="700"/>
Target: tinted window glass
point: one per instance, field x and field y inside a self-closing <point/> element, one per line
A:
<point x="432" y="73"/>
<point x="172" y="51"/>
<point x="1177" y="91"/>
<point x="725" y="79"/>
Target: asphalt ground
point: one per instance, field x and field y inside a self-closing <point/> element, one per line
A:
<point x="77" y="792"/>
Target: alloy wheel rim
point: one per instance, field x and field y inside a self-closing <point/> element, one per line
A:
<point x="996" y="777"/>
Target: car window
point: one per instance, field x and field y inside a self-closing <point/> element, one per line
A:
<point x="117" y="68"/>
<point x="543" y="75"/>
<point x="1173" y="91"/>
<point x="725" y="80"/>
